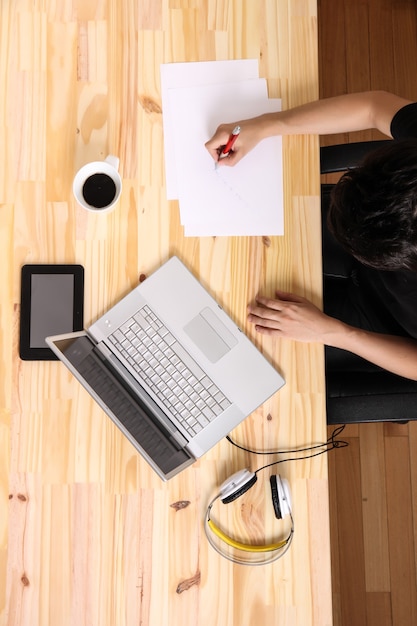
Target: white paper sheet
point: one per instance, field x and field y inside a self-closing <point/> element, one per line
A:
<point x="244" y="200"/>
<point x="188" y="75"/>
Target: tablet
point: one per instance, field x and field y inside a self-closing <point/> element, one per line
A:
<point x="51" y="303"/>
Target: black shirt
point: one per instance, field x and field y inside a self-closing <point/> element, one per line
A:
<point x="404" y="123"/>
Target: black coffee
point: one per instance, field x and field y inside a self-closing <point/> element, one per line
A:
<point x="99" y="190"/>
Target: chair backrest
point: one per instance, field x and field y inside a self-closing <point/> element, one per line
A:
<point x="340" y="157"/>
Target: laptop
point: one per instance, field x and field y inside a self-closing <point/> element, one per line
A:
<point x="170" y="368"/>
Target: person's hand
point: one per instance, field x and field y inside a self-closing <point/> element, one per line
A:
<point x="290" y="316"/>
<point x="250" y="136"/>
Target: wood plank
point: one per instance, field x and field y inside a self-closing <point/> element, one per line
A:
<point x="381" y="44"/>
<point x="335" y="539"/>
<point x="332" y="79"/>
<point x="413" y="469"/>
<point x="332" y="59"/>
<point x="400" y="528"/>
<point x="374" y="508"/>
<point x="358" y="70"/>
<point x="395" y="429"/>
<point x="404" y="26"/>
<point x="350" y="430"/>
<point x="378" y="609"/>
<point x="350" y="534"/>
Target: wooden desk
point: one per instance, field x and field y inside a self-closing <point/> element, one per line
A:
<point x="88" y="534"/>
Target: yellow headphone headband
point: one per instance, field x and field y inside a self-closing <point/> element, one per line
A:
<point x="244" y="546"/>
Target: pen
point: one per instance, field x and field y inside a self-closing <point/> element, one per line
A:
<point x="230" y="143"/>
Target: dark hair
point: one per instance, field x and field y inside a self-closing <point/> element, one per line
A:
<point x="373" y="208"/>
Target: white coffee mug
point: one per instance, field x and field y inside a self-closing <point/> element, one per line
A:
<point x="97" y="185"/>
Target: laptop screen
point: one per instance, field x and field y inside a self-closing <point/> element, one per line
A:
<point x="131" y="415"/>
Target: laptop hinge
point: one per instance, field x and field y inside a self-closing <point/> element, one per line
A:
<point x="128" y="379"/>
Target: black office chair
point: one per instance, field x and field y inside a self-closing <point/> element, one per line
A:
<point x="359" y="391"/>
<point x="343" y="156"/>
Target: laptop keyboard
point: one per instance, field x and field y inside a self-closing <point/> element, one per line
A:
<point x="176" y="379"/>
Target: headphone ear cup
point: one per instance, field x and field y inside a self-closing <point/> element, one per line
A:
<point x="236" y="485"/>
<point x="275" y="496"/>
<point x="285" y="496"/>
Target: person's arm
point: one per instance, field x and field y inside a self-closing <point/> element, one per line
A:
<point x="294" y="317"/>
<point x="346" y="113"/>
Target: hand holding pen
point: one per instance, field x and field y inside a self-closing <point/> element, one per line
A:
<point x="222" y="143"/>
<point x="225" y="151"/>
<point x="228" y="144"/>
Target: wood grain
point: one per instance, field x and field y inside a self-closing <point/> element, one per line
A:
<point x="88" y="533"/>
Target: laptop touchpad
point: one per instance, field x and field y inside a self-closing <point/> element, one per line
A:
<point x="210" y="334"/>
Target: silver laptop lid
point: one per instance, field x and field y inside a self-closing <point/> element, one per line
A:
<point x="134" y="416"/>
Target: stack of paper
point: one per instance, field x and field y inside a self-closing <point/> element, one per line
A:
<point x="243" y="200"/>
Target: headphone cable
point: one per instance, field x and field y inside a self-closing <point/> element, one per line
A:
<point x="331" y="441"/>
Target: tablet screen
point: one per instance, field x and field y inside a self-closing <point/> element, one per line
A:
<point x="51" y="307"/>
<point x="51" y="304"/>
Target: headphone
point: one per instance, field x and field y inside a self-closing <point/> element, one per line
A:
<point x="240" y="482"/>
<point x="234" y="487"/>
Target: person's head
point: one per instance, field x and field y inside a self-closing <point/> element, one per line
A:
<point x="373" y="208"/>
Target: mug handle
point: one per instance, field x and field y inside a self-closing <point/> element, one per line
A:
<point x="113" y="161"/>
